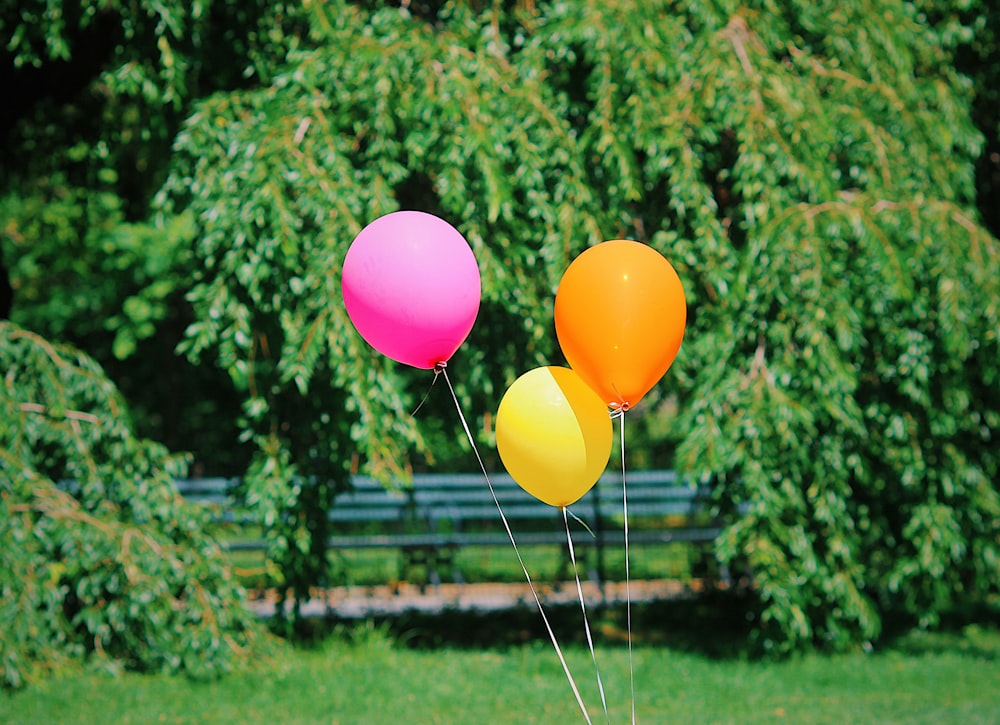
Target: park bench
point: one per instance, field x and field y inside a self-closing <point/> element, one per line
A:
<point x="438" y="515"/>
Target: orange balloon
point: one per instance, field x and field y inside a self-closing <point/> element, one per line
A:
<point x="620" y="316"/>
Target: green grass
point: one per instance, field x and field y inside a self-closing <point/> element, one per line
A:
<point x="369" y="675"/>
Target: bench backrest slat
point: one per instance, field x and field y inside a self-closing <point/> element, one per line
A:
<point x="466" y="497"/>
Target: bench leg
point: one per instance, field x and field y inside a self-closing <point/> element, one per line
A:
<point x="445" y="558"/>
<point x="433" y="577"/>
<point x="431" y="559"/>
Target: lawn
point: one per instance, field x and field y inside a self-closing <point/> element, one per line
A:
<point x="370" y="674"/>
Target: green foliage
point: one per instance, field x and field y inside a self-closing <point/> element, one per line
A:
<point x="97" y="92"/>
<point x="809" y="172"/>
<point x="93" y="273"/>
<point x="102" y="559"/>
<point x="840" y="373"/>
<point x="280" y="180"/>
<point x="968" y="30"/>
<point x="82" y="273"/>
<point x="102" y="87"/>
<point x="810" y="169"/>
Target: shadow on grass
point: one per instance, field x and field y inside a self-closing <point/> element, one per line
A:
<point x="714" y="624"/>
<point x="971" y="630"/>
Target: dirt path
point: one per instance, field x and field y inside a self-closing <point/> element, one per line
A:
<point x="364" y="601"/>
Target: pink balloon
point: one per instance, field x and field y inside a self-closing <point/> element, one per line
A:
<point x="411" y="287"/>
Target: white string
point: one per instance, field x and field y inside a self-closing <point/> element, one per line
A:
<point x="552" y="635"/>
<point x="583" y="608"/>
<point x="620" y="414"/>
<point x="438" y="369"/>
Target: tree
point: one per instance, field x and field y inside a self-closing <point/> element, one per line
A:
<point x="809" y="169"/>
<point x="102" y="558"/>
<point x="968" y="31"/>
<point x="94" y="98"/>
<point x="811" y="174"/>
<point x="816" y="165"/>
<point x="281" y="178"/>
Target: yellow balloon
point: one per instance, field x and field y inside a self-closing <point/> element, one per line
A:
<point x="553" y="434"/>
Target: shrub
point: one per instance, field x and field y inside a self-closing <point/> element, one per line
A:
<point x="103" y="561"/>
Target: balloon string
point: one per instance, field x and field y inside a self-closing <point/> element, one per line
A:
<point x="438" y="369"/>
<point x="583" y="608"/>
<point x="552" y="635"/>
<point x="619" y="412"/>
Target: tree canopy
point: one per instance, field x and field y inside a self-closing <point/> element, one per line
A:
<point x="102" y="558"/>
<point x="809" y="169"/>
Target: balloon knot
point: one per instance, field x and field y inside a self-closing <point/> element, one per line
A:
<point x="618" y="410"/>
<point x="440" y="366"/>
